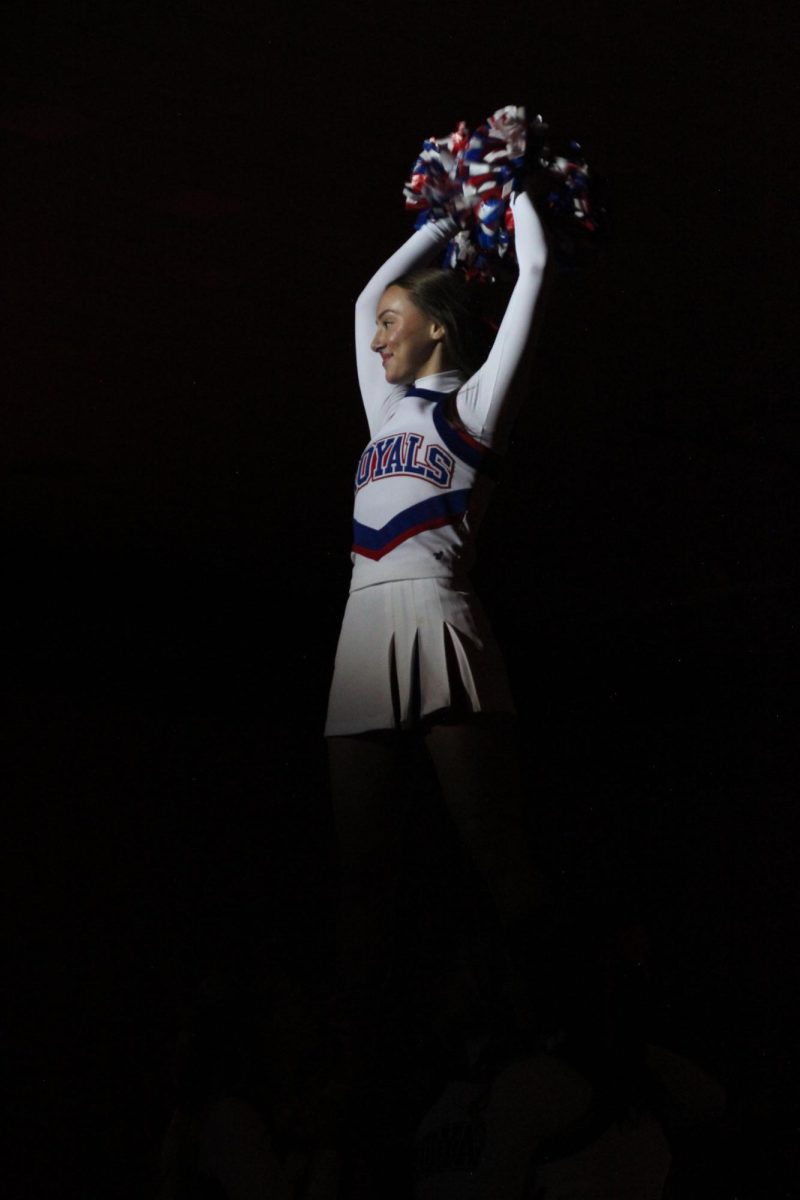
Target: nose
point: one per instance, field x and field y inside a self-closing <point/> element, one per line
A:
<point x="377" y="341"/>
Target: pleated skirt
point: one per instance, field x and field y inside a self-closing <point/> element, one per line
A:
<point x="411" y="649"/>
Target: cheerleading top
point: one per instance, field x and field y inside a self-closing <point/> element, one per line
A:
<point x="422" y="482"/>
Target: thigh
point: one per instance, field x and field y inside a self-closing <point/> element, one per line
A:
<point x="367" y="774"/>
<point x="476" y="764"/>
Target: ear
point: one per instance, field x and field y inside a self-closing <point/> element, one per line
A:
<point x="438" y="332"/>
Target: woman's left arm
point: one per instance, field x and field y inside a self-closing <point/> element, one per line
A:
<point x="488" y="401"/>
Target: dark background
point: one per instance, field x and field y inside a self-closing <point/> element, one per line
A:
<point x="193" y="197"/>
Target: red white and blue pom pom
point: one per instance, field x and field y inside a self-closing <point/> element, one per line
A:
<point x="471" y="177"/>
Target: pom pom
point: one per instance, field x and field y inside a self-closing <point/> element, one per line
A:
<point x="471" y="176"/>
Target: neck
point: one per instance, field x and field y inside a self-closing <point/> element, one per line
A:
<point x="440" y="381"/>
<point x="438" y="362"/>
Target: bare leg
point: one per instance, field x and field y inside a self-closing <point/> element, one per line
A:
<point x="367" y="775"/>
<point x="476" y="765"/>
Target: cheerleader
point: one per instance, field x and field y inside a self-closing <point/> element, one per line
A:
<point x="416" y="658"/>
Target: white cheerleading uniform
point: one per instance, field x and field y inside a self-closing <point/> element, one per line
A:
<point x="414" y="641"/>
<point x="420" y="484"/>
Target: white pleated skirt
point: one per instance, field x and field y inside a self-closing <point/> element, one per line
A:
<point x="410" y="649"/>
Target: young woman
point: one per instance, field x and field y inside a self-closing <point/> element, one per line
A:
<point x="416" y="657"/>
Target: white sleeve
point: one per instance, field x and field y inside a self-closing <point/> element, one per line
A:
<point x="417" y="251"/>
<point x="487" y="402"/>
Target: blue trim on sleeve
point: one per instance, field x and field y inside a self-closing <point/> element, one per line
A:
<point x="480" y="458"/>
<point x="473" y="456"/>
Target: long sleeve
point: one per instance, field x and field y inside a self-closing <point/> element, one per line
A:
<point x="488" y="400"/>
<point x="378" y="396"/>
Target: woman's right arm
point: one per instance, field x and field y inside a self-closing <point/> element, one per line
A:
<point x="416" y="252"/>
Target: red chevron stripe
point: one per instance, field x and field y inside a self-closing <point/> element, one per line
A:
<point x="375" y="555"/>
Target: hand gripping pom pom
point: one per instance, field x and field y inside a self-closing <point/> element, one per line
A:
<point x="471" y="176"/>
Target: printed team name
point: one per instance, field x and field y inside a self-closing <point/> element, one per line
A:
<point x="402" y="454"/>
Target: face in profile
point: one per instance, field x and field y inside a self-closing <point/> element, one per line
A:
<point x="410" y="344"/>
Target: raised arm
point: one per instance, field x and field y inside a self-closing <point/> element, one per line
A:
<point x="416" y="252"/>
<point x="488" y="401"/>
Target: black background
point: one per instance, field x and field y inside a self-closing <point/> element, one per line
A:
<point x="193" y="197"/>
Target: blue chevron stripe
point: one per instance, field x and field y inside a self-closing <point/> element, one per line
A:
<point x="437" y="510"/>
